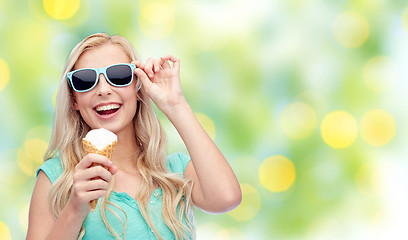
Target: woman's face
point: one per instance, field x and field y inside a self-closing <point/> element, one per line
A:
<point x="106" y="106"/>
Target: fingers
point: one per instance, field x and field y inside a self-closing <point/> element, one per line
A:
<point x="143" y="77"/>
<point x="151" y="67"/>
<point x="92" y="185"/>
<point x="95" y="165"/>
<point x="138" y="64"/>
<point x="82" y="193"/>
<point x="146" y="72"/>
<point x="92" y="158"/>
<point x="113" y="169"/>
<point x="91" y="180"/>
<point x="165" y="62"/>
<point x="155" y="65"/>
<point x="97" y="172"/>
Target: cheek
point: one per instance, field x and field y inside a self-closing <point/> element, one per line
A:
<point x="80" y="100"/>
<point x="131" y="98"/>
<point x="129" y="92"/>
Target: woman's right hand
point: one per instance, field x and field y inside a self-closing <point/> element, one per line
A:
<point x="90" y="182"/>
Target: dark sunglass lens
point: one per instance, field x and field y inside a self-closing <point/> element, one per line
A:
<point x="119" y="74"/>
<point x="83" y="79"/>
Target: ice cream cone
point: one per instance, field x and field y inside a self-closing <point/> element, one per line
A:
<point x="107" y="152"/>
<point x="90" y="148"/>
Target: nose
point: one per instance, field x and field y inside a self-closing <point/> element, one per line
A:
<point x="103" y="87"/>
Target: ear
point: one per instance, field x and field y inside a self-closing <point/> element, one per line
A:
<point x="138" y="95"/>
<point x="75" y="103"/>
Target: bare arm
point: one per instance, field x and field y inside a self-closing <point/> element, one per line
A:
<point x="41" y="223"/>
<point x="216" y="188"/>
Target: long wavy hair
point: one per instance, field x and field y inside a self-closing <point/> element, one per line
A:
<point x="66" y="142"/>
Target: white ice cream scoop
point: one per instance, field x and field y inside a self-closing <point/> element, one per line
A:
<point x="101" y="138"/>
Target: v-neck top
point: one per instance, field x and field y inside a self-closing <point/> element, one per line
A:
<point x="137" y="228"/>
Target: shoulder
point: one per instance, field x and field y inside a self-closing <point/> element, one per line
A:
<point x="52" y="168"/>
<point x="40" y="219"/>
<point x="177" y="162"/>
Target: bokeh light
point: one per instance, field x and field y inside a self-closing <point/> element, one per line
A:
<point x="298" y="120"/>
<point x="339" y="129"/>
<point x="264" y="79"/>
<point x="207" y="124"/>
<point x="4" y="232"/>
<point x="217" y="232"/>
<point x="23" y="217"/>
<point x="4" y="74"/>
<point x="250" y="204"/>
<point x="54" y="98"/>
<point x="30" y="156"/>
<point x="61" y="9"/>
<point x="35" y="149"/>
<point x="368" y="180"/>
<point x="230" y="234"/>
<point x="404" y="20"/>
<point x="156" y="18"/>
<point x="38" y="135"/>
<point x="377" y="127"/>
<point x="351" y="29"/>
<point x="380" y="74"/>
<point x="26" y="164"/>
<point x="277" y="173"/>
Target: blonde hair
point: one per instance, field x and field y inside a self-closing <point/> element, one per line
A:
<point x="69" y="129"/>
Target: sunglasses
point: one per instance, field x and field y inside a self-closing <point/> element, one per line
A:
<point x="85" y="79"/>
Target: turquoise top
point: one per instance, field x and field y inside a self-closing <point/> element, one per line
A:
<point x="137" y="227"/>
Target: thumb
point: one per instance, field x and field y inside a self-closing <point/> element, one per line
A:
<point x="143" y="78"/>
<point x="113" y="169"/>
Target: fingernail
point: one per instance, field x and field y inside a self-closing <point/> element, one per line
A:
<point x="150" y="75"/>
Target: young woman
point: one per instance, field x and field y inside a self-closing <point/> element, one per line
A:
<point x="144" y="194"/>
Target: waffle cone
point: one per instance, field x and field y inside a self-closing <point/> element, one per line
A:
<point x="107" y="152"/>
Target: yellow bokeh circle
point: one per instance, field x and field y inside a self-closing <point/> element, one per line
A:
<point x="250" y="204"/>
<point x="54" y="98"/>
<point x="23" y="217"/>
<point x="25" y="163"/>
<point x="404" y="20"/>
<point x="35" y="149"/>
<point x="351" y="29"/>
<point x="207" y="124"/>
<point x="30" y="156"/>
<point x="379" y="73"/>
<point x="339" y="129"/>
<point x="230" y="234"/>
<point x="298" y="120"/>
<point x="377" y="127"/>
<point x="40" y="134"/>
<point x="4" y="74"/>
<point x="156" y="19"/>
<point x="368" y="180"/>
<point x="277" y="173"/>
<point x="4" y="232"/>
<point x="61" y="9"/>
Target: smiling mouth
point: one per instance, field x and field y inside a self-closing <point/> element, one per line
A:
<point x="107" y="109"/>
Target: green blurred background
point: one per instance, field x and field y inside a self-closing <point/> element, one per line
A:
<point x="306" y="99"/>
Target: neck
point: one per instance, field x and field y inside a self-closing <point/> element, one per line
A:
<point x="126" y="150"/>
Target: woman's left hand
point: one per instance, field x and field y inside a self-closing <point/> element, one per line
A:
<point x="161" y="81"/>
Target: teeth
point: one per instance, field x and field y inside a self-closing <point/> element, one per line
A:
<point x="107" y="107"/>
